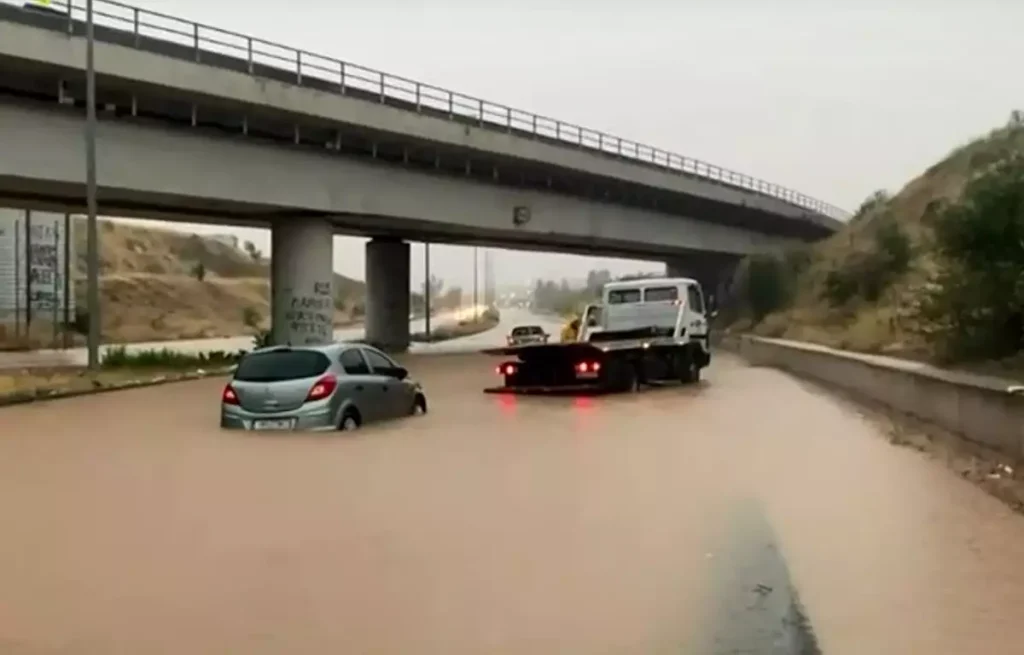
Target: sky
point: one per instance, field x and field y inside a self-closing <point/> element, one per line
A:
<point x="835" y="99"/>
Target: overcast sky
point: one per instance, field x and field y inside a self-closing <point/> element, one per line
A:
<point x="835" y="99"/>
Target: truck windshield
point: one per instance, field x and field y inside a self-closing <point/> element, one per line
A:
<point x="661" y="294"/>
<point x="623" y="296"/>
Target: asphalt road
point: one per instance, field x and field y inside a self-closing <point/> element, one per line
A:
<point x="679" y="520"/>
<point x="510" y="318"/>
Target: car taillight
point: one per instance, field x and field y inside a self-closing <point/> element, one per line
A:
<point x="592" y="367"/>
<point x="322" y="388"/>
<point x="506" y="369"/>
<point x="228" y="396"/>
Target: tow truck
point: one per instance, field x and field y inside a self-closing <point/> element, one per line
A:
<point x="643" y="332"/>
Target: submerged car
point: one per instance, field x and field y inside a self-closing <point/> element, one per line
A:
<point x="339" y="386"/>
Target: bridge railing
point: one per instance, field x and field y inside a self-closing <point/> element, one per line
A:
<point x="303" y="67"/>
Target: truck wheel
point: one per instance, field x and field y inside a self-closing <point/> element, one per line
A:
<point x="630" y="378"/>
<point x="690" y="370"/>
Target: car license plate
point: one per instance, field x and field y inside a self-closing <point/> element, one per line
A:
<point x="589" y="375"/>
<point x="273" y="424"/>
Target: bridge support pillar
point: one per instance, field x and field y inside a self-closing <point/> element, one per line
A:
<point x="387" y="294"/>
<point x="713" y="276"/>
<point x="301" y="281"/>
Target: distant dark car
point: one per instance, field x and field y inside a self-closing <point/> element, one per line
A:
<point x="524" y="334"/>
<point x="334" y="387"/>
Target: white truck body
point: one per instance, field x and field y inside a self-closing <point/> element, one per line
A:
<point x="668" y="308"/>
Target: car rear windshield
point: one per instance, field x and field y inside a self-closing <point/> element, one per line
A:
<point x="522" y="331"/>
<point x="278" y="365"/>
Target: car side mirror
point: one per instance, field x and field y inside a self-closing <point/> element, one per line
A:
<point x="400" y="372"/>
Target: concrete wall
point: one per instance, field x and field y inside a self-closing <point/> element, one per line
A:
<point x="976" y="407"/>
<point x="233" y="87"/>
<point x="177" y="167"/>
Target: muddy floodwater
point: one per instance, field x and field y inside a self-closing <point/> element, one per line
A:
<point x="751" y="514"/>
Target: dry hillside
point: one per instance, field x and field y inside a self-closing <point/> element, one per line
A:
<point x="151" y="288"/>
<point x="894" y="322"/>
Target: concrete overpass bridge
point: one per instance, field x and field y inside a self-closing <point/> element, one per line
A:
<point x="202" y="124"/>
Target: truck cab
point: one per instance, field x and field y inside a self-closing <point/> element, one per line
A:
<point x="657" y="307"/>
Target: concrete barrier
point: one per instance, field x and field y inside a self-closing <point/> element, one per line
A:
<point x="979" y="408"/>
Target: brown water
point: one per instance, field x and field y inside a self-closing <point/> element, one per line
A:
<point x="629" y="524"/>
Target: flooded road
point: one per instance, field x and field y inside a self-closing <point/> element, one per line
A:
<point x="682" y="520"/>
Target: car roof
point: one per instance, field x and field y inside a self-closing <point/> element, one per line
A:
<point x="325" y="348"/>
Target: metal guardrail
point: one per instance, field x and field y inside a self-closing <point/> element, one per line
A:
<point x="418" y="96"/>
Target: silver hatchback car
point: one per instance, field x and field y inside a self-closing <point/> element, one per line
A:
<point x="338" y="386"/>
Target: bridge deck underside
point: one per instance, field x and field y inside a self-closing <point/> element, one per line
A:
<point x="151" y="103"/>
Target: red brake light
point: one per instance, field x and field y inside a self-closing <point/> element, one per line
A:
<point x="593" y="367"/>
<point x="228" y="396"/>
<point x="322" y="388"/>
<point x="506" y="369"/>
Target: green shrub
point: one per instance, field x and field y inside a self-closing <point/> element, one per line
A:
<point x="251" y="318"/>
<point x="894" y="246"/>
<point x="262" y="339"/>
<point x="868" y="274"/>
<point x="165" y="358"/>
<point x="978" y="303"/>
<point x="840" y="286"/>
<point x="763" y="284"/>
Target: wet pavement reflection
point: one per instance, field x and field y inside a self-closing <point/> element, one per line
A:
<point x="680" y="520"/>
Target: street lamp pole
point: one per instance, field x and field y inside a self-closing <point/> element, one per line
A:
<point x="92" y="232"/>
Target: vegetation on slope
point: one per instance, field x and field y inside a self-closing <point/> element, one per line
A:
<point x="159" y="284"/>
<point x="934" y="272"/>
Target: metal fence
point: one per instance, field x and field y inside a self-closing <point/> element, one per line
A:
<point x="37" y="290"/>
<point x="299" y="66"/>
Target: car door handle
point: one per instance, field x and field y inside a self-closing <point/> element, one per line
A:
<point x="359" y="387"/>
<point x="386" y="387"/>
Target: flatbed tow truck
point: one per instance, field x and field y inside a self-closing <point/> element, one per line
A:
<point x="644" y="332"/>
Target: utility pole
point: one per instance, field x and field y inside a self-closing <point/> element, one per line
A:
<point x="426" y="288"/>
<point x="67" y="281"/>
<point x="92" y="231"/>
<point x="475" y="286"/>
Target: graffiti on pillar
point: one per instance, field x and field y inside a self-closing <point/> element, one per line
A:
<point x="310" y="317"/>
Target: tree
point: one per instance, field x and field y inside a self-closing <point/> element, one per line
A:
<point x="432" y="288"/>
<point x="979" y="298"/>
<point x="597" y="279"/>
<point x="253" y="253"/>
